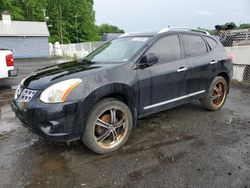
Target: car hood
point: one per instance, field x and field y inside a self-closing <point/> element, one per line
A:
<point x="45" y="77"/>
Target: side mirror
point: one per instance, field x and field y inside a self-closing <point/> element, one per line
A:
<point x="148" y="60"/>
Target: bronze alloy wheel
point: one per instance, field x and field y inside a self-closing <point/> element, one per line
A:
<point x="110" y="128"/>
<point x="216" y="96"/>
<point x="219" y="93"/>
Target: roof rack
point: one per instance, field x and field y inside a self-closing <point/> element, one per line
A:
<point x="183" y="29"/>
<point x="127" y="34"/>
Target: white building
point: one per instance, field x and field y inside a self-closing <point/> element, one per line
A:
<point x="25" y="38"/>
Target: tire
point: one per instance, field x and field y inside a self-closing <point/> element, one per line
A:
<point x="109" y="118"/>
<point x="216" y="95"/>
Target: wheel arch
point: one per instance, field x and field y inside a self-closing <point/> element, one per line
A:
<point x="226" y="77"/>
<point x="118" y="91"/>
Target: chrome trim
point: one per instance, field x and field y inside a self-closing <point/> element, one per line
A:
<point x="182" y="69"/>
<point x="213" y="62"/>
<point x="26" y="95"/>
<point x="183" y="29"/>
<point x="173" y="100"/>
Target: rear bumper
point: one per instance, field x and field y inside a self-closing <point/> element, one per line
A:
<point x="13" y="73"/>
<point x="56" y="122"/>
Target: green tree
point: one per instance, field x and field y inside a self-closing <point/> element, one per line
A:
<point x="107" y="28"/>
<point x="70" y="18"/>
<point x="14" y="7"/>
<point x="69" y="21"/>
<point x="33" y="9"/>
<point x="244" y="26"/>
<point x="56" y="21"/>
<point x="231" y="25"/>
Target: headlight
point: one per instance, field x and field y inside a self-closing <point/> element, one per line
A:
<point x="58" y="92"/>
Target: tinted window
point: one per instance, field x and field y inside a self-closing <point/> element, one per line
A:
<point x="212" y="43"/>
<point x="167" y="49"/>
<point x="194" y="45"/>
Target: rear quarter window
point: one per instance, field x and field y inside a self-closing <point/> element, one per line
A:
<point x="211" y="42"/>
<point x="194" y="45"/>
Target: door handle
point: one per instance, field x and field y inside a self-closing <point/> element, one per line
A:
<point x="213" y="62"/>
<point x="182" y="69"/>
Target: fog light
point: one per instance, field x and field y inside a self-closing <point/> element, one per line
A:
<point x="46" y="129"/>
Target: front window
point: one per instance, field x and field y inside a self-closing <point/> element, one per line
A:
<point x="167" y="49"/>
<point x="118" y="51"/>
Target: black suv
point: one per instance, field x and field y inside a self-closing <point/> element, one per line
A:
<point x="100" y="99"/>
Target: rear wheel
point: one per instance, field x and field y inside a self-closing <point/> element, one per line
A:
<point x="108" y="126"/>
<point x="217" y="94"/>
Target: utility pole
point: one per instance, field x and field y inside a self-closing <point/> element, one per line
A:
<point x="46" y="18"/>
<point x="77" y="38"/>
<point x="60" y="22"/>
<point x="44" y="14"/>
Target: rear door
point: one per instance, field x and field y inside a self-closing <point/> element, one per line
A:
<point x="162" y="84"/>
<point x="214" y="56"/>
<point x="199" y="60"/>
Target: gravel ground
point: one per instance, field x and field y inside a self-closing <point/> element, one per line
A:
<point x="182" y="147"/>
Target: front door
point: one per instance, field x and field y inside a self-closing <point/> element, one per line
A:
<point x="162" y="84"/>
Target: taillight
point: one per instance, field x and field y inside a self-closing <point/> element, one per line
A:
<point x="9" y="60"/>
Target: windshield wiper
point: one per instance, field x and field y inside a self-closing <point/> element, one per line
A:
<point x="87" y="61"/>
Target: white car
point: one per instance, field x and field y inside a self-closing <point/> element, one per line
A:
<point x="7" y="68"/>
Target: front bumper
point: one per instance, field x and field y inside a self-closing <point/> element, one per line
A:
<point x="57" y="122"/>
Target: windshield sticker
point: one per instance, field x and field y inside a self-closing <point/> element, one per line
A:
<point x="140" y="39"/>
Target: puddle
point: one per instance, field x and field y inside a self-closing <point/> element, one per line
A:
<point x="53" y="164"/>
<point x="7" y="116"/>
<point x="6" y="96"/>
<point x="51" y="169"/>
<point x="5" y="109"/>
<point x="7" y="120"/>
<point x="6" y="112"/>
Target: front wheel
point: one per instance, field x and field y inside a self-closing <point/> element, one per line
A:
<point x="108" y="126"/>
<point x="217" y="94"/>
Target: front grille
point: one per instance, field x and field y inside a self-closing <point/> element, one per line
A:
<point x="26" y="95"/>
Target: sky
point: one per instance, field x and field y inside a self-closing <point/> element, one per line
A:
<point x="151" y="15"/>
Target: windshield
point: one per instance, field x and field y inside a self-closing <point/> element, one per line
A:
<point x="117" y="51"/>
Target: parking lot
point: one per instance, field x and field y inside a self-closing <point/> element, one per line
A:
<point x="25" y="67"/>
<point x="182" y="147"/>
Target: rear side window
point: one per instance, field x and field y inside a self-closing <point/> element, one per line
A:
<point x="194" y="45"/>
<point x="167" y="49"/>
<point x="211" y="42"/>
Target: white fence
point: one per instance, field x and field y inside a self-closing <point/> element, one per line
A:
<point x="241" y="61"/>
<point x="79" y="50"/>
